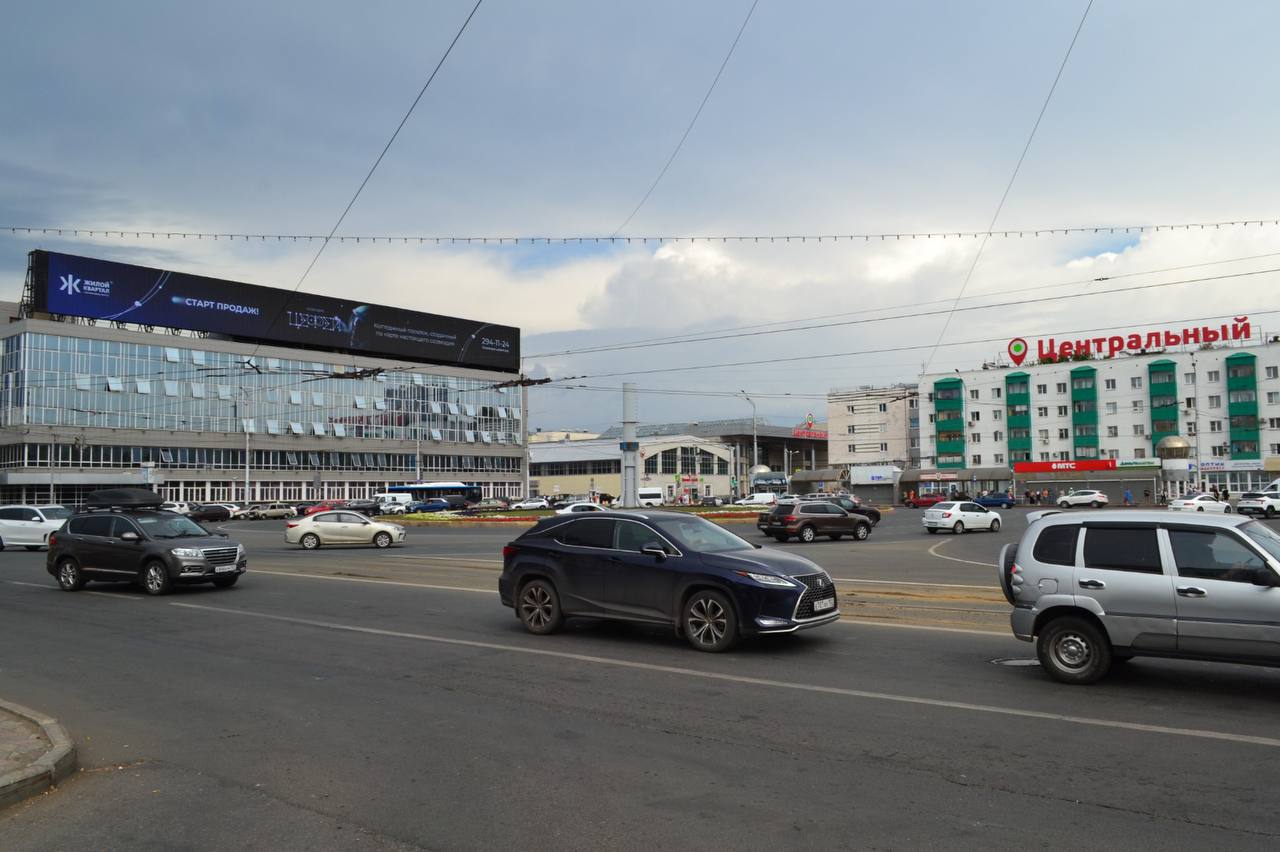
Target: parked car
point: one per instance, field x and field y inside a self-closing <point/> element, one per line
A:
<point x="921" y="501"/>
<point x="809" y="519"/>
<point x="1202" y="587"/>
<point x="959" y="517"/>
<point x="1265" y="503"/>
<point x="578" y="508"/>
<point x="208" y="513"/>
<point x="996" y="501"/>
<point x="270" y="510"/>
<point x="1084" y="497"/>
<point x="364" y="507"/>
<point x="649" y="496"/>
<point x="680" y="570"/>
<point x="761" y="499"/>
<point x="30" y="526"/>
<point x="491" y="504"/>
<point x="180" y="507"/>
<point x="532" y="503"/>
<point x="123" y="534"/>
<point x="1199" y="503"/>
<point x="393" y="507"/>
<point x="326" y="506"/>
<point x="849" y="504"/>
<point x="435" y="504"/>
<point x="329" y="528"/>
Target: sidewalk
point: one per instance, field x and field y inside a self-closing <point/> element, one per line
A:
<point x="35" y="753"/>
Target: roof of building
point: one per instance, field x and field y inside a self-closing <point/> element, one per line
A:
<point x="569" y="451"/>
<point x="715" y="429"/>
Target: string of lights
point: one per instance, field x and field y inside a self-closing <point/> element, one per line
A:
<point x="815" y="238"/>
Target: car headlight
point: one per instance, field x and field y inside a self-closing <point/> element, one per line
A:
<point x="186" y="552"/>
<point x="239" y="551"/>
<point x="768" y="579"/>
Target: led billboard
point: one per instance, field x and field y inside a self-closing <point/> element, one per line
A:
<point x="105" y="290"/>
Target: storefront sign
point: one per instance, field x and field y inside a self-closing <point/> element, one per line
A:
<point x="1064" y="466"/>
<point x="802" y="432"/>
<point x="106" y="290"/>
<point x="1220" y="465"/>
<point x="1110" y="345"/>
<point x="1126" y="464"/>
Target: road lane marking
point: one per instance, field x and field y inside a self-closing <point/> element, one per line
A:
<point x="371" y="580"/>
<point x="115" y="595"/>
<point x="757" y="681"/>
<point x="992" y="587"/>
<point x="933" y="551"/>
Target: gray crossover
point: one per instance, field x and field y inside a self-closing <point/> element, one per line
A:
<point x="1089" y="588"/>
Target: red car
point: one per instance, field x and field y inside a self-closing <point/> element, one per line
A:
<point x="322" y="507"/>
<point x="921" y="500"/>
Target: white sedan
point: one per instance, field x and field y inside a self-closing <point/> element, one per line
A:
<point x="1083" y="497"/>
<point x="532" y="503"/>
<point x="1199" y="503"/>
<point x="328" y="528"/>
<point x="578" y="508"/>
<point x="959" y="518"/>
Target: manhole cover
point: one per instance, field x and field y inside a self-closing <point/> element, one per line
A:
<point x="1013" y="661"/>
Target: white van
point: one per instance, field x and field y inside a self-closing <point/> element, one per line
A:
<point x="404" y="499"/>
<point x="649" y="497"/>
<point x="763" y="498"/>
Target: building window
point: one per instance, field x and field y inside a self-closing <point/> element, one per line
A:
<point x="1113" y="431"/>
<point x="1273" y="423"/>
<point x="1191" y="402"/>
<point x="1139" y="453"/>
<point x="1042" y="411"/>
<point x="1138" y="405"/>
<point x="1135" y="382"/>
<point x="851" y="428"/>
<point x="977" y="460"/>
<point x="295" y="397"/>
<point x="1139" y="430"/>
<point x="995" y="393"/>
<point x="1044" y="457"/>
<point x="1273" y="397"/>
<point x="1062" y="411"/>
<point x="996" y="414"/>
<point x="1273" y="372"/>
<point x="1275" y="449"/>
<point x="1062" y="386"/>
<point x="1113" y="454"/>
<point x="883" y="407"/>
<point x="975" y="437"/>
<point x="1042" y="389"/>
<point x="884" y="448"/>
<point x="1111" y="408"/>
<point x="973" y="394"/>
<point x="1219" y="451"/>
<point x="1109" y="384"/>
<point x="143" y="385"/>
<point x="1242" y="396"/>
<point x="1062" y="456"/>
<point x="998" y="458"/>
<point x="997" y="436"/>
<point x="1215" y="425"/>
<point x="1188" y="378"/>
<point x="1215" y="401"/>
<point x="975" y="416"/>
<point x="1063" y="433"/>
<point x="1215" y="376"/>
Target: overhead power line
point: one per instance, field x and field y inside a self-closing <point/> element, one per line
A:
<point x="776" y="238"/>
<point x="692" y="122"/>
<point x="916" y="315"/>
<point x="694" y="337"/>
<point x="825" y="355"/>
<point x="1013" y="177"/>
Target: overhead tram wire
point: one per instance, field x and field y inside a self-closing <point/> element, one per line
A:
<point x="324" y="243"/>
<point x="819" y="356"/>
<point x="676" y="151"/>
<point x="954" y="310"/>
<point x="695" y="337"/>
<point x="1012" y="178"/>
<point x="794" y="238"/>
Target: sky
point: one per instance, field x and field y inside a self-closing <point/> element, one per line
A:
<point x="554" y="118"/>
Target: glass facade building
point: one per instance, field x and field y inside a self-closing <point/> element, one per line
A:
<point x="89" y="406"/>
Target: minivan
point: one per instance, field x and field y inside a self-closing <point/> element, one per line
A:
<point x="649" y="497"/>
<point x="394" y="497"/>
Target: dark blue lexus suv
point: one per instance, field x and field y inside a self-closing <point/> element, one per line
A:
<point x="665" y="568"/>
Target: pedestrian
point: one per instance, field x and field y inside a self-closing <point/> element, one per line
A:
<point x="1128" y="497"/>
<point x="1225" y="495"/>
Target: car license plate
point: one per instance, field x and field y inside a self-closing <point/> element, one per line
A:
<point x="223" y="569"/>
<point x="823" y="605"/>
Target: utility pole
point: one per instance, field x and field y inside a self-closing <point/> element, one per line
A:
<point x="630" y="447"/>
<point x="755" y="443"/>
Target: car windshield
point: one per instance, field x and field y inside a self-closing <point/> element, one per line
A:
<point x="159" y="526"/>
<point x="1263" y="536"/>
<point x="702" y="535"/>
<point x="55" y="513"/>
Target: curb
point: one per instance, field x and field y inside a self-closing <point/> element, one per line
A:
<point x="45" y="773"/>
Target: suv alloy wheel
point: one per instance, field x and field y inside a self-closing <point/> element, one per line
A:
<point x="808" y="534"/>
<point x="861" y="531"/>
<point x="69" y="577"/>
<point x="709" y="621"/>
<point x="539" y="607"/>
<point x="155" y="579"/>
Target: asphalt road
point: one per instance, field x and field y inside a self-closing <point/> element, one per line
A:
<point x="341" y="699"/>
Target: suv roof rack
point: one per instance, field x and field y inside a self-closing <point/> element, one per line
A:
<point x="123" y="498"/>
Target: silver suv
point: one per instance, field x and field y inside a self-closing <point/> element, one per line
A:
<point x="1090" y="587"/>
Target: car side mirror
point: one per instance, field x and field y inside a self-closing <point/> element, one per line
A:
<point x="1265" y="577"/>
<point x="657" y="551"/>
<point x="130" y="535"/>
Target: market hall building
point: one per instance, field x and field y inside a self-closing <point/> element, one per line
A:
<point x="1016" y="426"/>
<point x="253" y="394"/>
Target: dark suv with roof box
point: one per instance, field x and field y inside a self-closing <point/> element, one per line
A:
<point x="123" y="535"/>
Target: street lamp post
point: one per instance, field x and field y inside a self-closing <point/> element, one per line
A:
<point x="755" y="447"/>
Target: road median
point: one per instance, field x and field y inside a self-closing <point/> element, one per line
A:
<point x="35" y="753"/>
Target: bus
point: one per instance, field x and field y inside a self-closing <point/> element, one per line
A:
<point x="454" y="492"/>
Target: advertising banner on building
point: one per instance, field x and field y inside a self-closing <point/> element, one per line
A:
<point x="1064" y="466"/>
<point x="106" y="290"/>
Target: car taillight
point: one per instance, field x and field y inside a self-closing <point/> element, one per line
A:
<point x="509" y="550"/>
<point x="53" y="539"/>
<point x="289" y="525"/>
<point x="946" y="514"/>
<point x="789" y="519"/>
